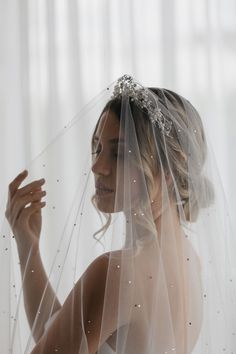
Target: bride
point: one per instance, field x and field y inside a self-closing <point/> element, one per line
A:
<point x="152" y="182"/>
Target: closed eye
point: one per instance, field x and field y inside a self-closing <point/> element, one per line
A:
<point x="114" y="153"/>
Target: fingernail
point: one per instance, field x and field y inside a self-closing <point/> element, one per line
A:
<point x="22" y="173"/>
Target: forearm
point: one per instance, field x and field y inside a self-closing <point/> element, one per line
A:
<point x="36" y="286"/>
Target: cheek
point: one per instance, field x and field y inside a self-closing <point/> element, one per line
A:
<point x="129" y="183"/>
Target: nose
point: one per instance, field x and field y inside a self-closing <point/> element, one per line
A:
<point x="101" y="165"/>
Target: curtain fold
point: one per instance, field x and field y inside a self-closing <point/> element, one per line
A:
<point x="57" y="54"/>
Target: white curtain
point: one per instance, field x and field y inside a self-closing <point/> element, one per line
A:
<point x="56" y="55"/>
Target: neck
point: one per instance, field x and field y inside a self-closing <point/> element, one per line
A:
<point x="166" y="223"/>
<point x="168" y="220"/>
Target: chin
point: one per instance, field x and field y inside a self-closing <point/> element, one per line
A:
<point x="106" y="204"/>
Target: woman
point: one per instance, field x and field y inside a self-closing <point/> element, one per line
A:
<point x="145" y="292"/>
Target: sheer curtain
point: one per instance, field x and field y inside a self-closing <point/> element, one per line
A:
<point x="56" y="55"/>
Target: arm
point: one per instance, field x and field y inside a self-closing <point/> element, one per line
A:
<point x="77" y="327"/>
<point x="35" y="284"/>
<point x="26" y="224"/>
<point x="69" y="329"/>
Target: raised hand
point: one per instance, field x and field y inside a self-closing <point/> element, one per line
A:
<point x="25" y="221"/>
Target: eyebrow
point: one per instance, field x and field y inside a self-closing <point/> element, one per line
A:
<point x="111" y="141"/>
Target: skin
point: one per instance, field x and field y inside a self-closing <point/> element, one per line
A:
<point x="107" y="157"/>
<point x="104" y="167"/>
<point x="66" y="331"/>
<point x="105" y="162"/>
<point x="26" y="223"/>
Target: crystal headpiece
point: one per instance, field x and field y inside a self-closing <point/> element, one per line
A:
<point x="127" y="86"/>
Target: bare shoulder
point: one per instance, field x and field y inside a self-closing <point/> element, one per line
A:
<point x="95" y="275"/>
<point x="82" y="314"/>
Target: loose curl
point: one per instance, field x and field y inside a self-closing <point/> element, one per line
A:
<point x="194" y="194"/>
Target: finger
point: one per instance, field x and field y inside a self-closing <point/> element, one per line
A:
<point x="25" y="212"/>
<point x="34" y="207"/>
<point x="38" y="189"/>
<point x="11" y="201"/>
<point x="27" y="198"/>
<point x="21" y="203"/>
<point x="39" y="197"/>
<point x="31" y="187"/>
<point x="13" y="186"/>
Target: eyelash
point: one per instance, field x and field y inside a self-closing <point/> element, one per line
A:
<point x="97" y="152"/>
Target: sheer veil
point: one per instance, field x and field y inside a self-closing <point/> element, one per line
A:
<point x="135" y="202"/>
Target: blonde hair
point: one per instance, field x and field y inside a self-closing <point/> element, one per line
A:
<point x="201" y="195"/>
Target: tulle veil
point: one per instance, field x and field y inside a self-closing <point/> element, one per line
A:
<point x="131" y="180"/>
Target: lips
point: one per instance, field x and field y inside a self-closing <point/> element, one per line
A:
<point x="102" y="187"/>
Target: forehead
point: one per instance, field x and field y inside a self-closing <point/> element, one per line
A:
<point x="108" y="126"/>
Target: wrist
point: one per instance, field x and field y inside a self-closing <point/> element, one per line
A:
<point x="26" y="252"/>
